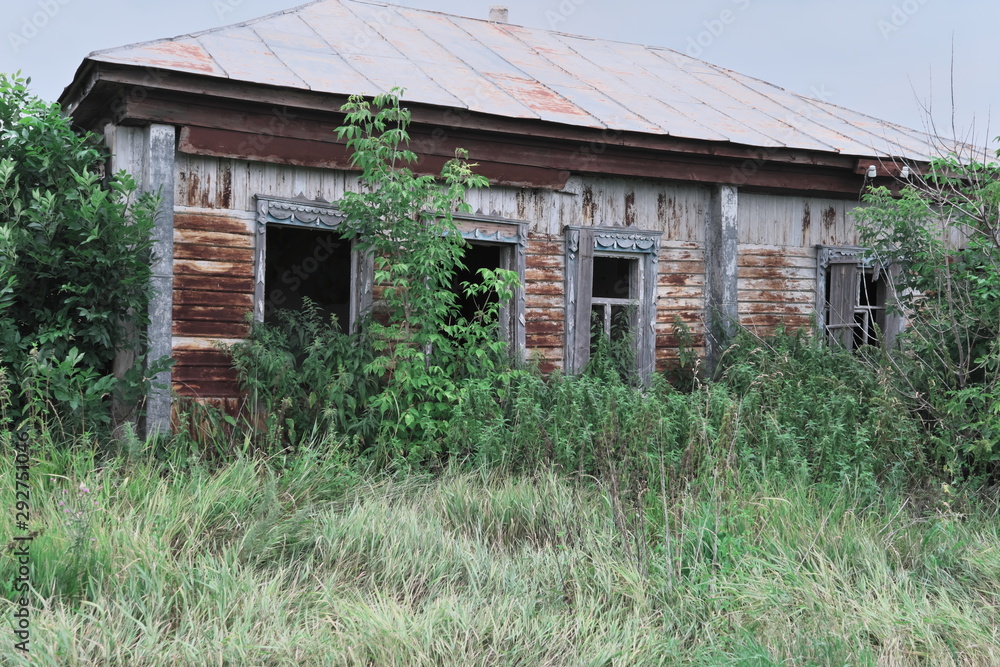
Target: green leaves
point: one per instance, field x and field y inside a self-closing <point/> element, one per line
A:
<point x="943" y="232"/>
<point x="74" y="269"/>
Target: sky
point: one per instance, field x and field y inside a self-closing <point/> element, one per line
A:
<point x="901" y="60"/>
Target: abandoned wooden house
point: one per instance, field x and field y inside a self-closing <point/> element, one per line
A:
<point x="624" y="178"/>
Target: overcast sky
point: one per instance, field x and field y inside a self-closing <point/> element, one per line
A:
<point x="890" y="59"/>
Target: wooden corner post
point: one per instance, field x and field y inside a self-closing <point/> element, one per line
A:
<point x="721" y="273"/>
<point x="158" y="178"/>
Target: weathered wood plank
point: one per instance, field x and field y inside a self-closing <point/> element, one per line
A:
<point x="777" y="272"/>
<point x="213" y="253"/>
<point x="669" y="280"/>
<point x="788" y="321"/>
<point x="212" y="223"/>
<point x="212" y="238"/>
<point x="214" y="283"/>
<point x="776" y="307"/>
<point x="544" y="340"/>
<point x="187" y="297"/>
<point x="545" y="314"/>
<point x="550" y="288"/>
<point x="207" y="389"/>
<point x="210" y="313"/>
<point x="777" y="250"/>
<point x="544" y="327"/>
<point x="776" y="284"/>
<point x="547" y="262"/>
<point x="771" y="296"/>
<point x="191" y="267"/>
<point x="211" y="329"/>
<point x="207" y="357"/>
<point x="536" y="275"/>
<point x="188" y="373"/>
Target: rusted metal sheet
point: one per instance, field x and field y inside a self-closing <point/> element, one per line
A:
<point x="192" y="267"/>
<point x="203" y="329"/>
<point x="349" y="46"/>
<point x="213" y="283"/>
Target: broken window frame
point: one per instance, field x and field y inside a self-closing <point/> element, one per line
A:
<point x="319" y="216"/>
<point x="582" y="245"/>
<point x="845" y="267"/>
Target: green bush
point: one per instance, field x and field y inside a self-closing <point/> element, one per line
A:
<point x="74" y="266"/>
<point x="948" y="363"/>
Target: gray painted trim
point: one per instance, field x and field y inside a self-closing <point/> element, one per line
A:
<point x="609" y="242"/>
<point x="158" y="177"/>
<point x="721" y="272"/>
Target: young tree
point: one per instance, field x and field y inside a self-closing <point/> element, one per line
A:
<point x="405" y="221"/>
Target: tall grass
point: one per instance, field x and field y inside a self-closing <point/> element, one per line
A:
<point x="781" y="515"/>
<point x="254" y="563"/>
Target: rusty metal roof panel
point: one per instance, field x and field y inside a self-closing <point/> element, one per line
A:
<point x="182" y="53"/>
<point x="245" y="56"/>
<point x="356" y="46"/>
<point x="497" y="73"/>
<point x="448" y="70"/>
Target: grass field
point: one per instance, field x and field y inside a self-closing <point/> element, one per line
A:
<point x="310" y="563"/>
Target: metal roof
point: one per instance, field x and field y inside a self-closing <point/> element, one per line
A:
<point x="353" y="46"/>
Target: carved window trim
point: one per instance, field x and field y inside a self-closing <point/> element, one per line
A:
<point x="582" y="245"/>
<point x="306" y="214"/>
<point x="511" y="235"/>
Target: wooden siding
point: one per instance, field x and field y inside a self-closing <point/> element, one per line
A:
<point x="802" y="222"/>
<point x="680" y="297"/>
<point x="776" y="286"/>
<point x="213" y="292"/>
<point x="676" y="209"/>
<point x="545" y="276"/>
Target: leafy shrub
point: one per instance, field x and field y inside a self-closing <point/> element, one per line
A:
<point x="74" y="264"/>
<point x="304" y="377"/>
<point x="949" y="360"/>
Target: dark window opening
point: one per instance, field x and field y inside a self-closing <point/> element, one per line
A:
<point x="476" y="257"/>
<point x="307" y="263"/>
<point x="611" y="310"/>
<point x="613" y="277"/>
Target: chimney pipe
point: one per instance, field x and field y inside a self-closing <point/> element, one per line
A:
<point x="498" y="14"/>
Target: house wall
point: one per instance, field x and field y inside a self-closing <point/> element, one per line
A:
<point x="778" y="236"/>
<point x="214" y="241"/>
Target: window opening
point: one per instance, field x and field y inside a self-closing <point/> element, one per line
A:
<point x="613" y="292"/>
<point x="477" y="256"/>
<point x="309" y="263"/>
<point x="855" y="305"/>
